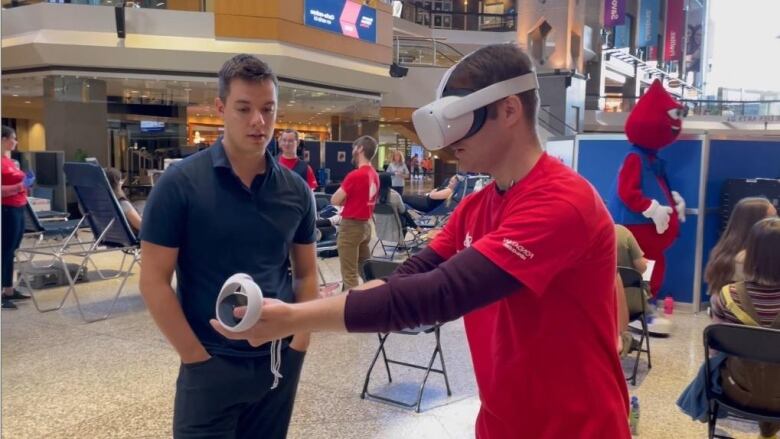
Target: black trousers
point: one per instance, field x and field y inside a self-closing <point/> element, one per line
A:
<point x="421" y="203"/>
<point x="230" y="397"/>
<point x="13" y="231"/>
<point x="399" y="189"/>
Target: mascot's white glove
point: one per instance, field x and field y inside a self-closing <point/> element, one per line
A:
<point x="660" y="216"/>
<point x="679" y="205"/>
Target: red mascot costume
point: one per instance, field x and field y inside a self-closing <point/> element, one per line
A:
<point x="643" y="201"/>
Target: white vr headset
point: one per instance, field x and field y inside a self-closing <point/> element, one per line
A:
<point x="462" y="113"/>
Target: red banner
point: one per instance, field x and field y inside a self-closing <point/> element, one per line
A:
<point x="675" y="22"/>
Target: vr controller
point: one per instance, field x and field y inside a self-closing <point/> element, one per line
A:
<point x="239" y="290"/>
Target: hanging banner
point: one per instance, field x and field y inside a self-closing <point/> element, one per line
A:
<point x="623" y="34"/>
<point x="675" y="21"/>
<point x="648" y="25"/>
<point x="614" y="12"/>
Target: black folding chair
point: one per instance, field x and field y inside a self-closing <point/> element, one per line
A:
<point x="374" y="269"/>
<point x="755" y="343"/>
<point x="109" y="226"/>
<point x="632" y="279"/>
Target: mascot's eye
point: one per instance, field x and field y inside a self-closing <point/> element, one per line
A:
<point x="676" y="113"/>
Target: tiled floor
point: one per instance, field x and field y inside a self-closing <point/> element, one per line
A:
<point x="62" y="378"/>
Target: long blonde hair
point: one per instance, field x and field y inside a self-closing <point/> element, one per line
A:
<point x="396" y="153"/>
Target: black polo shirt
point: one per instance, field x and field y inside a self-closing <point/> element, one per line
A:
<point x="221" y="227"/>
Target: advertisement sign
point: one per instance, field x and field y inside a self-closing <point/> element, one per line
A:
<point x="675" y="21"/>
<point x="623" y="34"/>
<point x="345" y="17"/>
<point x="614" y="12"/>
<point x="648" y="25"/>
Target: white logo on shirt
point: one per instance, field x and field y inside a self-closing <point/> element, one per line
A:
<point x="467" y="241"/>
<point x="517" y="249"/>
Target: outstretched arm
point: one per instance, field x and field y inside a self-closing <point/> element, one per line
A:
<point x="454" y="288"/>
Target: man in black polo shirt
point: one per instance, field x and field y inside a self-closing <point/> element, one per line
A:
<point x="230" y="209"/>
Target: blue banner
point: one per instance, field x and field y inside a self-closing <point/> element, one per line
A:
<point x="623" y="34"/>
<point x="344" y="17"/>
<point x="648" y="25"/>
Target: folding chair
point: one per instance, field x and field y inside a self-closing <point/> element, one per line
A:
<point x="745" y="342"/>
<point x="389" y="232"/>
<point x="374" y="269"/>
<point x="633" y="279"/>
<point x="323" y="246"/>
<point x="109" y="226"/>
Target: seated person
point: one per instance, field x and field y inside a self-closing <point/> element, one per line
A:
<point x="115" y="181"/>
<point x="754" y="302"/>
<point x="431" y="200"/>
<point x="629" y="254"/>
<point x="388" y="195"/>
<point x="727" y="257"/>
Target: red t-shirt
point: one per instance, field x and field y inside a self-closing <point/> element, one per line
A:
<point x="290" y="164"/>
<point x="362" y="188"/>
<point x="11" y="174"/>
<point x="544" y="357"/>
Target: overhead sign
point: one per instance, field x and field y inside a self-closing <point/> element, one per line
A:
<point x="648" y="23"/>
<point x="753" y="118"/>
<point x="345" y="17"/>
<point x="675" y="23"/>
<point x="614" y="12"/>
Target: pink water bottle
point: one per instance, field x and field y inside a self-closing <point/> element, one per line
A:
<point x="668" y="305"/>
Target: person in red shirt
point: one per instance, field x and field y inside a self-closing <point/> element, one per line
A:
<point x="358" y="194"/>
<point x="14" y="187"/>
<point x="288" y="142"/>
<point x="529" y="261"/>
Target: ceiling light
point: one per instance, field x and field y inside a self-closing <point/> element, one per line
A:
<point x="15" y="95"/>
<point x="27" y="102"/>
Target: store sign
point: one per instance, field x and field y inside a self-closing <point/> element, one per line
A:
<point x="675" y="22"/>
<point x="623" y="34"/>
<point x="648" y="26"/>
<point x="342" y="16"/>
<point x="753" y="118"/>
<point x="614" y="12"/>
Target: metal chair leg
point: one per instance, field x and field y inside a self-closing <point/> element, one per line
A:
<point x="425" y="380"/>
<point x="441" y="357"/>
<point x="384" y="357"/>
<point x="373" y="362"/>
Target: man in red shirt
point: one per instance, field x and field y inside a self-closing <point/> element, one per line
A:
<point x="288" y="142"/>
<point x="358" y="193"/>
<point x="529" y="260"/>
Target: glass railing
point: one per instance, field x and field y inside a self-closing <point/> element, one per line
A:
<point x="426" y="52"/>
<point x="698" y="107"/>
<point x="439" y="18"/>
<point x="554" y="124"/>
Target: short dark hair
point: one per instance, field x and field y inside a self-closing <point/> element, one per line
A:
<point x="369" y="145"/>
<point x="290" y="130"/>
<point x="492" y="64"/>
<point x="246" y="67"/>
<point x="762" y="253"/>
<point x="8" y="132"/>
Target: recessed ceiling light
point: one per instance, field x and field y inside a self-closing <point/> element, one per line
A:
<point x="15" y="95"/>
<point x="27" y="102"/>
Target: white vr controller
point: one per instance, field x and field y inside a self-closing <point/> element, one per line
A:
<point x="239" y="290"/>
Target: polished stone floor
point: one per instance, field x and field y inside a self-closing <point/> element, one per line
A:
<point x="62" y="378"/>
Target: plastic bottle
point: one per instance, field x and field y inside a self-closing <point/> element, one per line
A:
<point x="668" y="305"/>
<point x="633" y="416"/>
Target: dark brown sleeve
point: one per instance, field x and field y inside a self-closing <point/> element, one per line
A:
<point x="422" y="262"/>
<point x="461" y="284"/>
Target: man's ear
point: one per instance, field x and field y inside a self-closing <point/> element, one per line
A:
<point x="510" y="110"/>
<point x="220" y="106"/>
